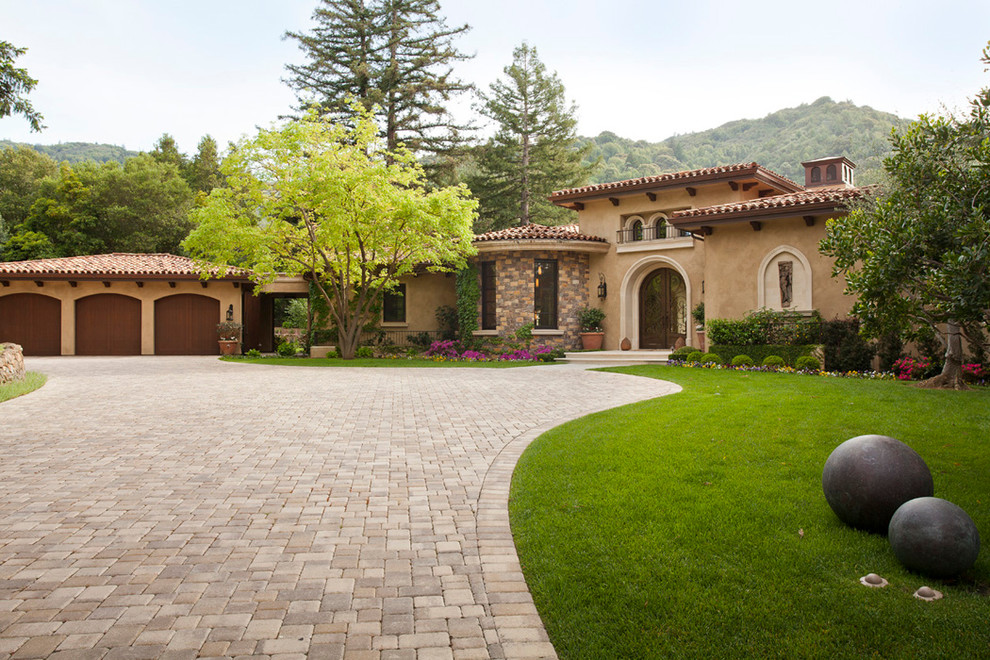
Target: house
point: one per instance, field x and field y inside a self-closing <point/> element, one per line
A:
<point x="647" y="251"/>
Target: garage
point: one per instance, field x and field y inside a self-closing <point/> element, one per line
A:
<point x="108" y="324"/>
<point x="186" y="324"/>
<point x="32" y="320"/>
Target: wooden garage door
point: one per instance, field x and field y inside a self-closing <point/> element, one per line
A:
<point x="186" y="324"/>
<point x="108" y="324"/>
<point x="32" y="320"/>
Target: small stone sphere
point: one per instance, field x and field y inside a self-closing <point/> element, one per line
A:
<point x="867" y="477"/>
<point x="934" y="537"/>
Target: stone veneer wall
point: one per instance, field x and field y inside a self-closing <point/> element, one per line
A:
<point x="514" y="293"/>
<point x="11" y="363"/>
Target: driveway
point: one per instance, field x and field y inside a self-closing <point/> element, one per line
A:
<point x="185" y="507"/>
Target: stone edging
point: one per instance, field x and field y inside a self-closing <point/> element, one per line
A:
<point x="11" y="363"/>
<point x="517" y="623"/>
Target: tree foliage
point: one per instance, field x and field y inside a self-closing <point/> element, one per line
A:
<point x="332" y="203"/>
<point x="780" y="141"/>
<point x="393" y="55"/>
<point x="534" y="148"/>
<point x="917" y="252"/>
<point x="15" y="85"/>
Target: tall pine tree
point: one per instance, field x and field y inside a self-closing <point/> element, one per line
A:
<point x="397" y="54"/>
<point x="533" y="151"/>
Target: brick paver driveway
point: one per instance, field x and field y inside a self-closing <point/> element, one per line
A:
<point x="184" y="507"/>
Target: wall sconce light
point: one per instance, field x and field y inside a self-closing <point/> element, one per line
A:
<point x="602" y="287"/>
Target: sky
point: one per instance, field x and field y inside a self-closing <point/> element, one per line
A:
<point x="124" y="72"/>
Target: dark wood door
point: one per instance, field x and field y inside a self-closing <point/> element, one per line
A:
<point x="662" y="303"/>
<point x="186" y="324"/>
<point x="108" y="324"/>
<point x="32" y="320"/>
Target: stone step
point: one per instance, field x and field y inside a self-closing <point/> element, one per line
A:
<point x="617" y="357"/>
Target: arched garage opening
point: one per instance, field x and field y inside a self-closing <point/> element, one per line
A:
<point x="186" y="324"/>
<point x="32" y="320"/>
<point x="108" y="324"/>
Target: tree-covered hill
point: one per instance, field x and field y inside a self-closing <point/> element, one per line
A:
<point x="77" y="152"/>
<point x="780" y="141"/>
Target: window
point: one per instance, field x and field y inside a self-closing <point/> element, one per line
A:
<point x="661" y="228"/>
<point x="816" y="174"/>
<point x="637" y="230"/>
<point x="830" y="173"/>
<point x="488" y="295"/>
<point x="394" y="305"/>
<point x="545" y="294"/>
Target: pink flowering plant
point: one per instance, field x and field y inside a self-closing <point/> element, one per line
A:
<point x="908" y="368"/>
<point x="452" y="349"/>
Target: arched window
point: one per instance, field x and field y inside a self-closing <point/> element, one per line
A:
<point x="816" y="174"/>
<point x="637" y="230"/>
<point x="830" y="173"/>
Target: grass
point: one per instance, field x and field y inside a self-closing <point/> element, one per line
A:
<point x="671" y="527"/>
<point x="379" y="362"/>
<point x="32" y="381"/>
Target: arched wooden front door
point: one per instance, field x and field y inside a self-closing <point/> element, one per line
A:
<point x="662" y="309"/>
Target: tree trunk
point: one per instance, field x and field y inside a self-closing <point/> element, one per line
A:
<point x="951" y="376"/>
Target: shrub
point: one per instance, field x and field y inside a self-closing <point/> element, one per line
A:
<point x="845" y="348"/>
<point x="710" y="358"/>
<point x="973" y="372"/>
<point x="253" y="353"/>
<point x="682" y="352"/>
<point x="765" y="326"/>
<point x="422" y="339"/>
<point x="760" y="351"/>
<point x="591" y="319"/>
<point x="447" y="320"/>
<point x="807" y="363"/>
<point x="742" y="360"/>
<point x="695" y="356"/>
<point x="365" y="352"/>
<point x="909" y="368"/>
<point x="287" y="349"/>
<point x="774" y="361"/>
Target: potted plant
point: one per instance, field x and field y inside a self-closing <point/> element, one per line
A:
<point x="592" y="335"/>
<point x="698" y="313"/>
<point x="229" y="336"/>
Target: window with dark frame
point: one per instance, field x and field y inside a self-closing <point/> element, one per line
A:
<point x="488" y="295"/>
<point x="545" y="294"/>
<point x="394" y="305"/>
<point x="830" y="173"/>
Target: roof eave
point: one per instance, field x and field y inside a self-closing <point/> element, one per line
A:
<point x="733" y="217"/>
<point x="532" y="244"/>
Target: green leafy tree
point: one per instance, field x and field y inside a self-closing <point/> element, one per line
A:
<point x="393" y="55"/>
<point x="15" y="85"/>
<point x="331" y="202"/>
<point x="204" y="171"/>
<point x="167" y="151"/>
<point x="533" y="151"/>
<point x="917" y="252"/>
<point x="21" y="172"/>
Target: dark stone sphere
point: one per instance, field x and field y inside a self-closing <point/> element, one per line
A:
<point x="867" y="477"/>
<point x="934" y="537"/>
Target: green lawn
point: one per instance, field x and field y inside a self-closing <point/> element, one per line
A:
<point x="379" y="362"/>
<point x="32" y="381"/>
<point x="670" y="528"/>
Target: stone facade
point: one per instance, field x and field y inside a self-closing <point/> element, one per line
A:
<point x="11" y="363"/>
<point x="514" y="296"/>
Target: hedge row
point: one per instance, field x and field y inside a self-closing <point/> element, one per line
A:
<point x="760" y="351"/>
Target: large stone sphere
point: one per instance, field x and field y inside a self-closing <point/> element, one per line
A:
<point x="934" y="537"/>
<point x="867" y="477"/>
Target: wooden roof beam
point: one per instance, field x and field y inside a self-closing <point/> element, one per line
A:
<point x="734" y="185"/>
<point x="756" y="225"/>
<point x="809" y="220"/>
<point x="691" y="190"/>
<point x="578" y="206"/>
<point x="747" y="186"/>
<point x="614" y="200"/>
<point x="652" y="196"/>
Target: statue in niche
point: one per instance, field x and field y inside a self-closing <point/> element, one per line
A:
<point x="785" y="270"/>
<point x="230" y="313"/>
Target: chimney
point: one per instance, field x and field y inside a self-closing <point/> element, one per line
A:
<point x="835" y="171"/>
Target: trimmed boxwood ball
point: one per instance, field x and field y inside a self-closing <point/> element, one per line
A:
<point x="807" y="363"/>
<point x="742" y="361"/>
<point x="867" y="477"/>
<point x="773" y="361"/>
<point x="934" y="537"/>
<point x="695" y="356"/>
<point x="710" y="358"/>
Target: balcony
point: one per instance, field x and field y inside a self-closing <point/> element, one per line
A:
<point x="654" y="237"/>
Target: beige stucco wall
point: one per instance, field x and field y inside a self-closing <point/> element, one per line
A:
<point x="424" y="294"/>
<point x="734" y="277"/>
<point x="225" y="292"/>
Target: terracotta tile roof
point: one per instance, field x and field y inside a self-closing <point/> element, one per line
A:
<point x="816" y="198"/>
<point x="685" y="177"/>
<point x="114" y="265"/>
<point x="532" y="232"/>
